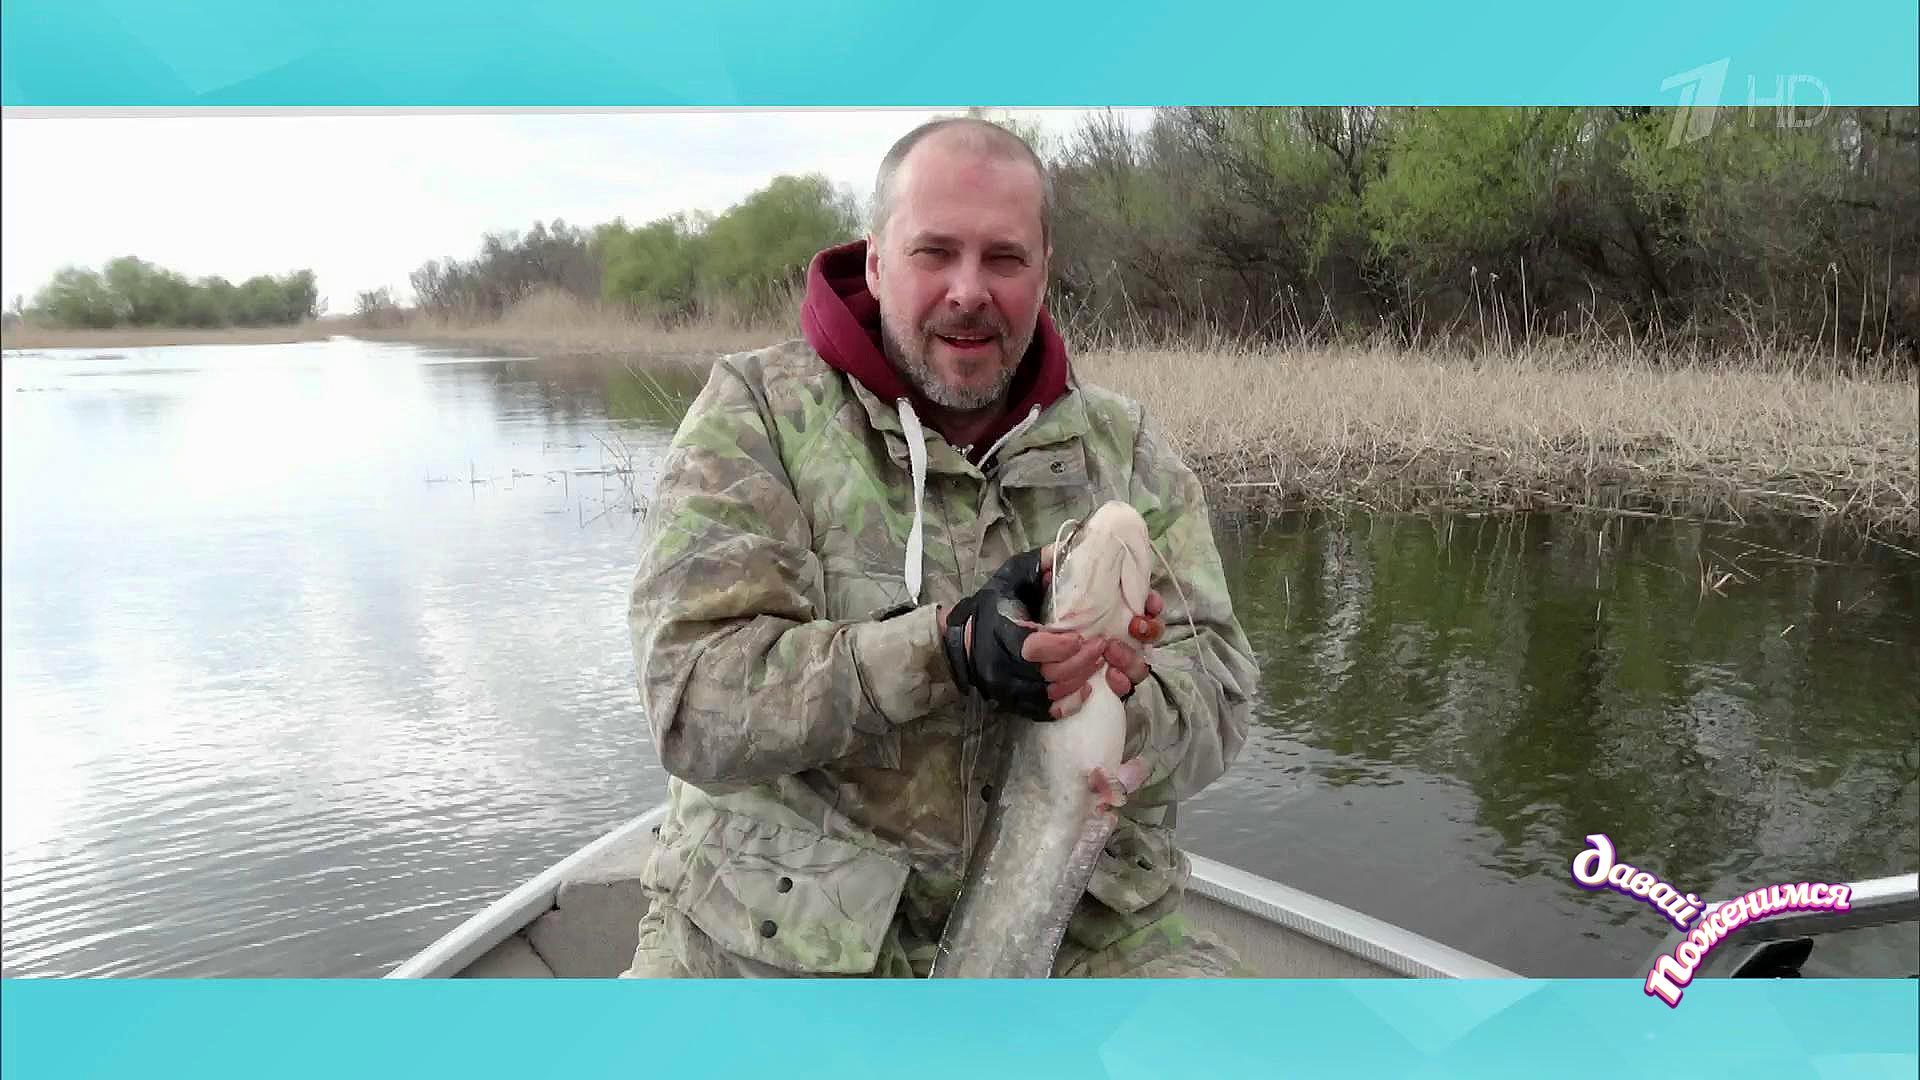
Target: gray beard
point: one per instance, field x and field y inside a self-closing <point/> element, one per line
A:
<point x="912" y="364"/>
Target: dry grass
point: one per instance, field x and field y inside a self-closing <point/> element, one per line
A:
<point x="553" y="324"/>
<point x="1549" y="429"/>
<point x="27" y="336"/>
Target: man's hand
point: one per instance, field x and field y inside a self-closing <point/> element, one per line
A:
<point x="1045" y="674"/>
<point x="986" y="637"/>
<point x="1126" y="666"/>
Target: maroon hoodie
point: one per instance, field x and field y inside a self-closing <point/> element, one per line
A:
<point x="841" y="320"/>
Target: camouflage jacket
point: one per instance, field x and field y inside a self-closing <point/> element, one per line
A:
<point x="827" y="777"/>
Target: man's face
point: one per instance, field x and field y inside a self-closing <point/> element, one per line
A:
<point x="960" y="271"/>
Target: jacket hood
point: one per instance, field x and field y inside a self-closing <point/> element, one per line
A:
<point x="841" y="320"/>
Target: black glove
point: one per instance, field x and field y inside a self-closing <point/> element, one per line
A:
<point x="996" y="667"/>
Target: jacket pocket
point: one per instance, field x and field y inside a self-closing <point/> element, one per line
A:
<point x="1047" y="467"/>
<point x="1138" y="866"/>
<point x="785" y="896"/>
<point x="1043" y="488"/>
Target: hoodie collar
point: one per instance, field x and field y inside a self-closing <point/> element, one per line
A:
<point x="841" y="321"/>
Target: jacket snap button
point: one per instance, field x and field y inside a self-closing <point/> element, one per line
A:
<point x="1058" y="467"/>
<point x="1142" y="863"/>
<point x="786" y="884"/>
<point x="767" y="928"/>
<point x="986" y="793"/>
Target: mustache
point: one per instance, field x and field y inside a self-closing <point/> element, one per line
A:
<point x="983" y="325"/>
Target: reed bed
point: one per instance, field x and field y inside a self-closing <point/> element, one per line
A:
<point x="1550" y="428"/>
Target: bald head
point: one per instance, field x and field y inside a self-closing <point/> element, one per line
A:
<point x="964" y="134"/>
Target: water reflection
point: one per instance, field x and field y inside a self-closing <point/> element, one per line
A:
<point x="309" y="661"/>
<point x="1457" y="704"/>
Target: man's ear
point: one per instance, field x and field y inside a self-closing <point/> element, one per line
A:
<point x="873" y="264"/>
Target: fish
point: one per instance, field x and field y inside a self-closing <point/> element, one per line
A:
<point x="1061" y="781"/>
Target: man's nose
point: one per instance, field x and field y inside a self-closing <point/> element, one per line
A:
<point x="967" y="285"/>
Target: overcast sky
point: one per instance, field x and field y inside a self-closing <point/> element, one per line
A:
<point x="362" y="200"/>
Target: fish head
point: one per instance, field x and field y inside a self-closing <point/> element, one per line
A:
<point x="1102" y="571"/>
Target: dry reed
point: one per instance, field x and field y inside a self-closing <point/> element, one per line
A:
<point x="1545" y="429"/>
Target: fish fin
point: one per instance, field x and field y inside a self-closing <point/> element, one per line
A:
<point x="1111" y="789"/>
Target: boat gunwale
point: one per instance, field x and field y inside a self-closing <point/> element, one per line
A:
<point x="458" y="948"/>
<point x="1872" y="902"/>
<point x="1376" y="941"/>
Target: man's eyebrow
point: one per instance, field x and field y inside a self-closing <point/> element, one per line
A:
<point x="948" y="240"/>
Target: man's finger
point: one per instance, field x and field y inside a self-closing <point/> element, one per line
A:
<point x="1062" y="689"/>
<point x="1078" y="668"/>
<point x="1070" y="705"/>
<point x="1119" y="683"/>
<point x="1123" y="658"/>
<point x="1154" y="604"/>
<point x="1050" y="646"/>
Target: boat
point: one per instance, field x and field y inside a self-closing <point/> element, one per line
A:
<point x="579" y="918"/>
<point x="1878" y="936"/>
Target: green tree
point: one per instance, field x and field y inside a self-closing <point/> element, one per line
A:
<point x="147" y="294"/>
<point x="77" y="298"/>
<point x="760" y="248"/>
<point x="655" y="267"/>
<point x="133" y="292"/>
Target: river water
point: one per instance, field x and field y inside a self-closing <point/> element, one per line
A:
<point x="312" y="650"/>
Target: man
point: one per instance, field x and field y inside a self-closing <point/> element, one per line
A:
<point x="820" y="660"/>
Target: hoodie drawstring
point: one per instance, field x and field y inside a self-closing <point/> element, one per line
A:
<point x="917" y="456"/>
<point x="917" y="459"/>
<point x="1032" y="415"/>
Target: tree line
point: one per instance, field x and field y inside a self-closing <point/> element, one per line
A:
<point x="1775" y="229"/>
<point x="743" y="264"/>
<point x="133" y="292"/>
<point x="1739" y="230"/>
<point x="1483" y="227"/>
